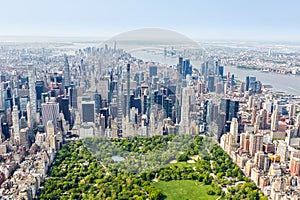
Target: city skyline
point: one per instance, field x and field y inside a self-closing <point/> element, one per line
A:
<point x="253" y="20"/>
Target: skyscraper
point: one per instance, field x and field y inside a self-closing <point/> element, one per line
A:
<point x="255" y="144"/>
<point x="50" y="111"/>
<point x="153" y="71"/>
<point x="16" y="125"/>
<point x="128" y="93"/>
<point x="39" y="87"/>
<point x="234" y="127"/>
<point x="67" y="78"/>
<point x="211" y="83"/>
<point x="184" y="122"/>
<point x="32" y="95"/>
<point x="263" y="119"/>
<point x="1" y="96"/>
<point x="88" y="111"/>
<point x="233" y="110"/>
<point x="274" y="120"/>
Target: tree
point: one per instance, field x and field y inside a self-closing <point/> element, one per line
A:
<point x="182" y="158"/>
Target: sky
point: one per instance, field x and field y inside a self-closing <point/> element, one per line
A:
<point x="198" y="19"/>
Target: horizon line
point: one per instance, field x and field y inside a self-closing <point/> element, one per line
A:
<point x="109" y="37"/>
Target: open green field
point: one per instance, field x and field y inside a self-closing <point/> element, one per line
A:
<point x="184" y="189"/>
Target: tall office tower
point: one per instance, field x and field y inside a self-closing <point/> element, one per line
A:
<point x="221" y="71"/>
<point x="32" y="95"/>
<point x="67" y="76"/>
<point x="153" y="71"/>
<point x="232" y="83"/>
<point x="120" y="111"/>
<point x="39" y="87"/>
<point x="225" y="106"/>
<point x="247" y="83"/>
<point x="184" y="122"/>
<point x="88" y="111"/>
<point x="250" y="83"/>
<point x="16" y="125"/>
<point x="211" y="83"/>
<point x="274" y="120"/>
<point x="180" y="65"/>
<point x="74" y="98"/>
<point x="216" y="68"/>
<point x="50" y="112"/>
<point x="178" y="98"/>
<point x="128" y="93"/>
<point x="233" y="110"/>
<point x="1" y="96"/>
<point x="64" y="108"/>
<point x="256" y="143"/>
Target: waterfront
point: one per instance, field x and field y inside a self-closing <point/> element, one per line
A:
<point x="279" y="82"/>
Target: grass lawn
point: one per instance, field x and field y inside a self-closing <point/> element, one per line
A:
<point x="184" y="189"/>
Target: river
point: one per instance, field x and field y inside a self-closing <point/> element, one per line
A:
<point x="279" y="82"/>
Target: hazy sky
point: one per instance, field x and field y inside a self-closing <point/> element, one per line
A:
<point x="208" y="19"/>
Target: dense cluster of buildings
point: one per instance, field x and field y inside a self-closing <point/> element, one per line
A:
<point x="263" y="139"/>
<point x="108" y="92"/>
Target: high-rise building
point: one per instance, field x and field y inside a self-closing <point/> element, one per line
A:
<point x="250" y="83"/>
<point x="153" y="71"/>
<point x="232" y="83"/>
<point x="1" y="96"/>
<point x="184" y="122"/>
<point x="274" y="120"/>
<point x="16" y="125"/>
<point x="128" y="93"/>
<point x="234" y="128"/>
<point x="221" y="120"/>
<point x="230" y="108"/>
<point x="282" y="150"/>
<point x="50" y="112"/>
<point x="39" y="88"/>
<point x="224" y="107"/>
<point x="32" y="95"/>
<point x="67" y="78"/>
<point x="295" y="167"/>
<point x="264" y="117"/>
<point x="233" y="110"/>
<point x="255" y="143"/>
<point x="221" y="71"/>
<point x="88" y="111"/>
<point x="64" y="108"/>
<point x="292" y="110"/>
<point x="211" y="83"/>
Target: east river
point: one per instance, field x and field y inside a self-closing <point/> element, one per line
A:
<point x="279" y="82"/>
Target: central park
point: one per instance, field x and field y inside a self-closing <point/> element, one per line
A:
<point x="158" y="167"/>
